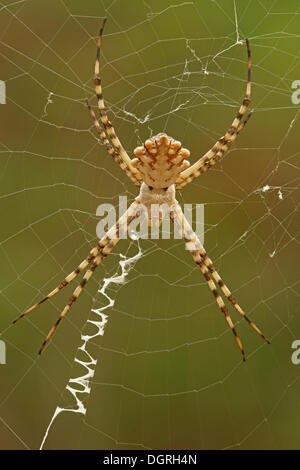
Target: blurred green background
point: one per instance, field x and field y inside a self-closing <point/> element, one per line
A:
<point x="169" y="373"/>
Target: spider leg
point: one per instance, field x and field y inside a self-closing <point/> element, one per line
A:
<point x="112" y="238"/>
<point x="110" y="149"/>
<point x="207" y="261"/>
<point x="130" y="169"/>
<point x="206" y="164"/>
<point x="201" y="258"/>
<point x="68" y="279"/>
<point x="186" y="176"/>
<point x="77" y="292"/>
<point x="109" y="238"/>
<point x="219" y="300"/>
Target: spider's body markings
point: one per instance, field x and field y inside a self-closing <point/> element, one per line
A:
<point x="160" y="161"/>
<point x="160" y="167"/>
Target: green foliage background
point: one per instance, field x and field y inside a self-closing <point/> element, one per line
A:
<point x="169" y="373"/>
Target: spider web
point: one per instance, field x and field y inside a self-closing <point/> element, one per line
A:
<point x="145" y="359"/>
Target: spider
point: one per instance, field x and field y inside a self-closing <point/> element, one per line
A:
<point x="160" y="167"/>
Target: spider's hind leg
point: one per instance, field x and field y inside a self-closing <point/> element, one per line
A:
<point x="93" y="253"/>
<point x="110" y="240"/>
<point x="203" y="261"/>
<point x="96" y="255"/>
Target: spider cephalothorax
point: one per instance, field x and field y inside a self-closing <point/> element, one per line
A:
<point x="160" y="167"/>
<point x="160" y="161"/>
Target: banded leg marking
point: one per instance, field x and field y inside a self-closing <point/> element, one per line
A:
<point x="222" y="148"/>
<point x="219" y="300"/>
<point x="68" y="279"/>
<point x="109" y="147"/>
<point x="113" y="238"/>
<point x="103" y="115"/>
<point x="198" y="260"/>
<point x="224" y="143"/>
<point x="197" y="250"/>
<point x="99" y="252"/>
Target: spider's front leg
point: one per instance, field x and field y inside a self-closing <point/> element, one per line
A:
<point x="201" y="258"/>
<point x="222" y="145"/>
<point x="97" y="254"/>
<point x="114" y="148"/>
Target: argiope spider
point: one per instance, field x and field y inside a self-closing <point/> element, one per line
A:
<point x="159" y="169"/>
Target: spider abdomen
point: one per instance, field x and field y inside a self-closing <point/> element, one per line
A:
<point x="160" y="161"/>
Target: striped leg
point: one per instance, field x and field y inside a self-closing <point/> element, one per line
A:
<point x="198" y="260"/>
<point x="110" y="149"/>
<point x="93" y="253"/>
<point x="201" y="258"/>
<point x="224" y="143"/>
<point x="99" y="252"/>
<point x="104" y="118"/>
<point x="219" y="300"/>
<point x="222" y="148"/>
<point x="111" y="239"/>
